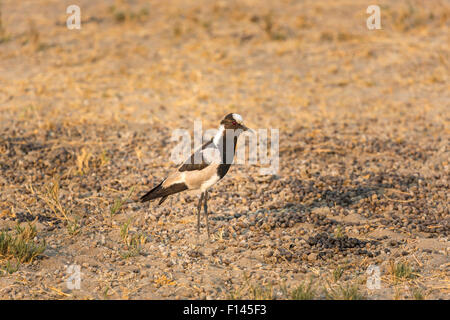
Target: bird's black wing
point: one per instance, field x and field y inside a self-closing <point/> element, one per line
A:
<point x="198" y="160"/>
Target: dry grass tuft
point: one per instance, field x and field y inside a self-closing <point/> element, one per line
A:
<point x="51" y="197"/>
<point x="119" y="202"/>
<point x="133" y="241"/>
<point x="20" y="246"/>
<point x="304" y="292"/>
<point x="344" y="292"/>
<point x="401" y="271"/>
<point x="82" y="161"/>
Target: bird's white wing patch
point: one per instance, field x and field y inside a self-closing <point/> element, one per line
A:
<point x="211" y="155"/>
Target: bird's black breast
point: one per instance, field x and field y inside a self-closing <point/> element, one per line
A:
<point x="222" y="169"/>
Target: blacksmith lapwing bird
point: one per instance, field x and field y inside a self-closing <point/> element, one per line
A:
<point x="204" y="168"/>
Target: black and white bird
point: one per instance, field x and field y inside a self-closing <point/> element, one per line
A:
<point x="205" y="167"/>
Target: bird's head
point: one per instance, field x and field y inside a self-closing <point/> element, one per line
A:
<point x="234" y="121"/>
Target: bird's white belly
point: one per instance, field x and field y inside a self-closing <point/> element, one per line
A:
<point x="209" y="183"/>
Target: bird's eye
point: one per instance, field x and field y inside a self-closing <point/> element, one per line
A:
<point x="234" y="123"/>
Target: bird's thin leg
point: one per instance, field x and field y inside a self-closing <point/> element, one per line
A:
<point x="199" y="209"/>
<point x="205" y="207"/>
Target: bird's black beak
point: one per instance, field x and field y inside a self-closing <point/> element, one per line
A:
<point x="245" y="128"/>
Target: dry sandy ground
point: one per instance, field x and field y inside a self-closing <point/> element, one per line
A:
<point x="364" y="147"/>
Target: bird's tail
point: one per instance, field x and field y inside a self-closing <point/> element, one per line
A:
<point x="163" y="192"/>
<point x="152" y="194"/>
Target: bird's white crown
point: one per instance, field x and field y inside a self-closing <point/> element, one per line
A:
<point x="238" y="118"/>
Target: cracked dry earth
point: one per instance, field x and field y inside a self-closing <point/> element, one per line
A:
<point x="86" y="119"/>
